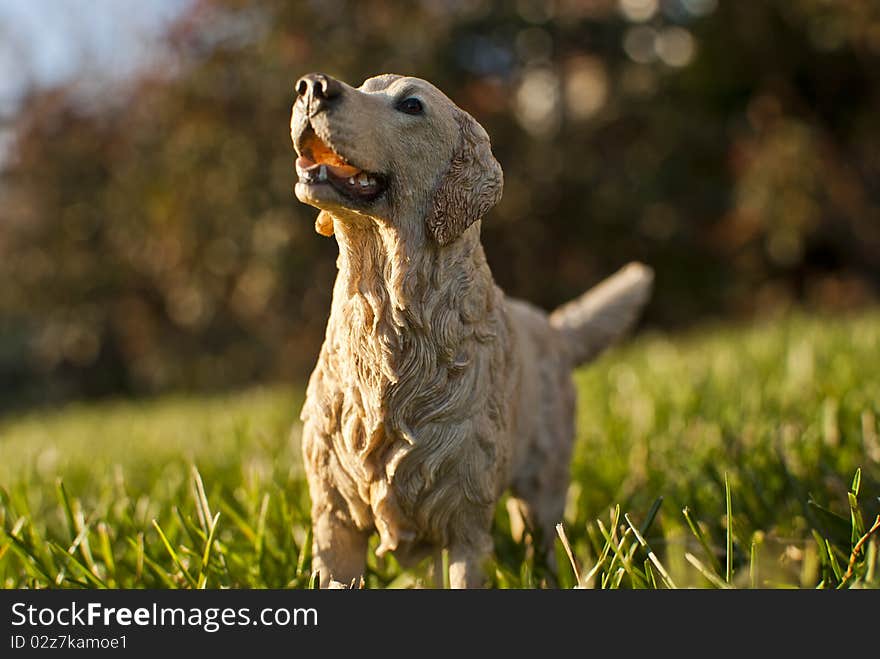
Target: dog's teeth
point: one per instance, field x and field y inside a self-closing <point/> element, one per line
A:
<point x="364" y="180"/>
<point x="322" y="173"/>
<point x="351" y="180"/>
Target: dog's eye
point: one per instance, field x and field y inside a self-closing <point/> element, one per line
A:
<point x="410" y="105"/>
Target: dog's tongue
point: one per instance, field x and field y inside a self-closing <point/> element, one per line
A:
<point x="324" y="155"/>
<point x="343" y="171"/>
<point x="339" y="171"/>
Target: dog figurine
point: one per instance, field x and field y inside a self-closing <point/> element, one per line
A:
<point x="434" y="393"/>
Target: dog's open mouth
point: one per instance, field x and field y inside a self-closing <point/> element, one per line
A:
<point x="319" y="164"/>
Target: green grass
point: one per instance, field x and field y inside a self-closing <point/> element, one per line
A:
<point x="730" y="457"/>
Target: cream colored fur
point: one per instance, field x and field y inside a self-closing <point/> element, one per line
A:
<point x="434" y="393"/>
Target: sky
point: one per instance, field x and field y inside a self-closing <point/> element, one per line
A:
<point x="44" y="42"/>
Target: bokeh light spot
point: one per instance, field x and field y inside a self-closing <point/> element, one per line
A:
<point x="675" y="46"/>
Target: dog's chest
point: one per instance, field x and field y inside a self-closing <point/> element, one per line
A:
<point x="410" y="424"/>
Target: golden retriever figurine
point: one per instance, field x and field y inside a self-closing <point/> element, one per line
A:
<point x="433" y="393"/>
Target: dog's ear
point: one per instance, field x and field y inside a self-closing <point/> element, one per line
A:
<point x="471" y="186"/>
<point x="324" y="223"/>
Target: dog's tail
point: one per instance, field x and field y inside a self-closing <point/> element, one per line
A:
<point x="593" y="321"/>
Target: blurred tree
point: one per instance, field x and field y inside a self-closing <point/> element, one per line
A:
<point x="149" y="239"/>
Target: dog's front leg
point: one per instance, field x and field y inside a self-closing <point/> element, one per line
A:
<point x="466" y="563"/>
<point x="338" y="550"/>
<point x="339" y="546"/>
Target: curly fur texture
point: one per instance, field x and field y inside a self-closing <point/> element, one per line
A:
<point x="471" y="187"/>
<point x="433" y="392"/>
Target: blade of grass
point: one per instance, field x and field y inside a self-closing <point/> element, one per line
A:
<point x="92" y="578"/>
<point x="261" y="526"/>
<point x="29" y="558"/>
<point x="202" y="507"/>
<point x="832" y="524"/>
<point x="64" y="500"/>
<point x="560" y="531"/>
<point x="753" y="564"/>
<point x="698" y="534"/>
<point x="206" y="555"/>
<point x="239" y="521"/>
<point x="652" y="514"/>
<point x="639" y="579"/>
<point x="303" y="552"/>
<point x="835" y="566"/>
<point x="107" y="553"/>
<point x="728" y="571"/>
<point x="193" y="532"/>
<point x="82" y="539"/>
<point x="856" y="519"/>
<point x="16" y="529"/>
<point x="651" y="556"/>
<point x="600" y="562"/>
<point x="650" y="574"/>
<point x="713" y="578"/>
<point x="173" y="554"/>
<point x="617" y="547"/>
<point x="157" y="569"/>
<point x="615" y="581"/>
<point x="139" y="556"/>
<point x="597" y="543"/>
<point x="824" y="560"/>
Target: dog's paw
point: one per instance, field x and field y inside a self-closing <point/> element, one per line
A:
<point x="356" y="584"/>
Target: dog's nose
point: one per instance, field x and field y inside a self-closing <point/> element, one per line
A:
<point x="318" y="89"/>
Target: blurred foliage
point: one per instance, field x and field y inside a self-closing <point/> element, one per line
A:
<point x="149" y="237"/>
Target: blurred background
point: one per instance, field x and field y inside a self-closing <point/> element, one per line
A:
<point x="149" y="236"/>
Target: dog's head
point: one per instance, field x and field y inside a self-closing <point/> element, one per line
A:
<point x="396" y="149"/>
